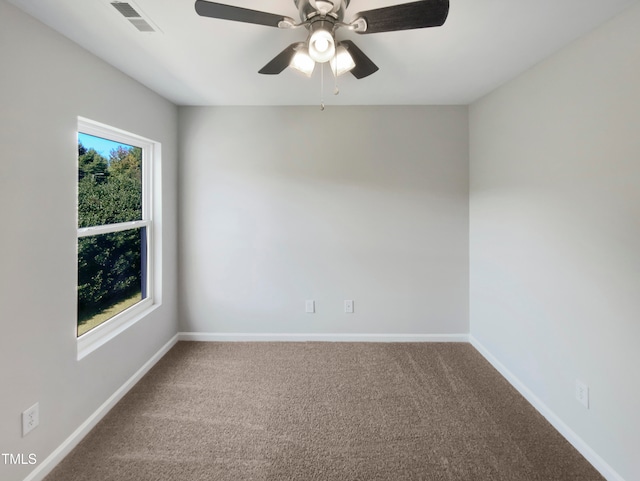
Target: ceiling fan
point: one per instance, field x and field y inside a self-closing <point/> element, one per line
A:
<point x="322" y="18"/>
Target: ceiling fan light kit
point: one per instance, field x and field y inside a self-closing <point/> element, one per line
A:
<point x="322" y="18"/>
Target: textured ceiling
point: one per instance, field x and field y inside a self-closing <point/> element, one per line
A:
<point x="204" y="61"/>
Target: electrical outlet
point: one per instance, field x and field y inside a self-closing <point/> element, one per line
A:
<point x="310" y="307"/>
<point x="348" y="307"/>
<point x="582" y="393"/>
<point x="30" y="419"/>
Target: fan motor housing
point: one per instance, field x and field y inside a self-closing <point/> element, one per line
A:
<point x="310" y="8"/>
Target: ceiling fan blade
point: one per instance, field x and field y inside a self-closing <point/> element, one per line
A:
<point x="280" y="61"/>
<point x="364" y="66"/>
<point x="406" y="16"/>
<point x="238" y="14"/>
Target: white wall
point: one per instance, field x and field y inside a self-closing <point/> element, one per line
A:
<point x="45" y="83"/>
<point x="555" y="234"/>
<point x="283" y="204"/>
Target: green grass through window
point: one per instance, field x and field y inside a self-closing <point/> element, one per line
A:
<point x="86" y="323"/>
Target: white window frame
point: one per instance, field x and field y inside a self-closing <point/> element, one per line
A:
<point x="151" y="152"/>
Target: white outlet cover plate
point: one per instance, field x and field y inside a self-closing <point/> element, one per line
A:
<point x="30" y="419"/>
<point x="348" y="306"/>
<point x="582" y="393"/>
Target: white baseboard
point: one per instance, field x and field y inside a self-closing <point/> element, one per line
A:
<point x="72" y="441"/>
<point x="576" y="441"/>
<point x="284" y="337"/>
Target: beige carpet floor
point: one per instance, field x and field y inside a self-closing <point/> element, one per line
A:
<point x="323" y="411"/>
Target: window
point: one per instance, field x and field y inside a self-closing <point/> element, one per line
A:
<point x="115" y="231"/>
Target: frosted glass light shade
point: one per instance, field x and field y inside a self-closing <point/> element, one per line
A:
<point x="342" y="62"/>
<point x="322" y="47"/>
<point x="302" y="62"/>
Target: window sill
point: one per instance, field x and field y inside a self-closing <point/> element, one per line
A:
<point x="100" y="335"/>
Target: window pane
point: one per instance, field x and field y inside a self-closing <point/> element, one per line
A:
<point x="111" y="275"/>
<point x="109" y="181"/>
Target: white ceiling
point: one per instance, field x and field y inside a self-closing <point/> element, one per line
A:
<point x="204" y="61"/>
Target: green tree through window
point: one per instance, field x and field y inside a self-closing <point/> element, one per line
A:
<point x="111" y="264"/>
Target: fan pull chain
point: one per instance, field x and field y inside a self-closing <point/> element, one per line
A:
<point x="336" y="90"/>
<point x="322" y="86"/>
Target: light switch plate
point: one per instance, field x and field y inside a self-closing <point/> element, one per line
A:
<point x="310" y="307"/>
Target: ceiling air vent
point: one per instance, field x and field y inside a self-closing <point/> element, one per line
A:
<point x="134" y="17"/>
